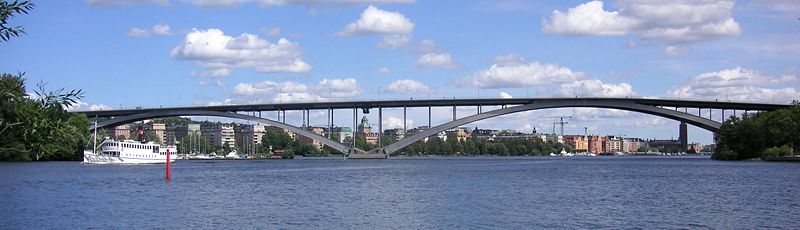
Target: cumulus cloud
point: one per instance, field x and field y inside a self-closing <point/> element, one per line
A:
<point x="213" y="50"/>
<point x="436" y="61"/>
<point x="393" y="122"/>
<point x="675" y="51"/>
<point x="218" y="84"/>
<point x="376" y="21"/>
<point x="138" y="32"/>
<point x="393" y="41"/>
<point x="216" y="3"/>
<point x="505" y="95"/>
<point x="739" y="84"/>
<point x="308" y="3"/>
<point x="114" y="3"/>
<point x="325" y="90"/>
<point x="596" y="88"/>
<point x="339" y="88"/>
<point x="670" y="21"/>
<point x="383" y="70"/>
<point x="788" y="6"/>
<point x="274" y="31"/>
<point x="162" y="29"/>
<point x="432" y="57"/>
<point x="84" y="106"/>
<point x="408" y="86"/>
<point x="512" y="72"/>
<point x="394" y="26"/>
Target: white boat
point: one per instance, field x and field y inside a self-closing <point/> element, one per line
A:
<point x="130" y="152"/>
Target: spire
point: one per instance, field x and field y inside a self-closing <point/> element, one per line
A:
<point x="364" y="123"/>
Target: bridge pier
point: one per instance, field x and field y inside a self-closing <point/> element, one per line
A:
<point x="380" y="126"/>
<point x="683" y="136"/>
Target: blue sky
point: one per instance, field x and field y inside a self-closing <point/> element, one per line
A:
<point x="154" y="53"/>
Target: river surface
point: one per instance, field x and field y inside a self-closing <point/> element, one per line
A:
<point x="405" y="193"/>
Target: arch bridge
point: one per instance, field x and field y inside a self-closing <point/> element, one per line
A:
<point x="679" y="110"/>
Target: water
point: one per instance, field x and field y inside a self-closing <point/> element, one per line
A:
<point x="418" y="193"/>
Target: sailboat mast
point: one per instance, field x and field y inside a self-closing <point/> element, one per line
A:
<point x="94" y="143"/>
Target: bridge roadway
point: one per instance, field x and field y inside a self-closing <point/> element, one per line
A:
<point x="672" y="103"/>
<point x="667" y="108"/>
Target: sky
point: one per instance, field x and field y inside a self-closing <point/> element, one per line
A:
<point x="163" y="53"/>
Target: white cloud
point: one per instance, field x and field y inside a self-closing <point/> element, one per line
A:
<point x="675" y="51"/>
<point x="505" y="95"/>
<point x="588" y="19"/>
<point x="408" y="86"/>
<point x="738" y="84"/>
<point x="789" y="6"/>
<point x="218" y="84"/>
<point x="125" y="2"/>
<point x="393" y="122"/>
<point x="83" y="106"/>
<point x="427" y="46"/>
<point x="219" y="72"/>
<point x="162" y="29"/>
<point x="383" y="70"/>
<point x="393" y="41"/>
<point x="376" y="21"/>
<point x="596" y="88"/>
<point x="159" y="29"/>
<point x="325" y="90"/>
<point x="274" y="31"/>
<point x="519" y="73"/>
<point x="339" y="88"/>
<point x="137" y="32"/>
<point x="394" y="26"/>
<point x="330" y="2"/>
<point x="436" y="61"/>
<point x="669" y="21"/>
<point x="433" y="57"/>
<point x="213" y="50"/>
<point x="216" y="3"/>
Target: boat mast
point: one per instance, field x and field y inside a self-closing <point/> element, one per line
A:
<point x="94" y="143"/>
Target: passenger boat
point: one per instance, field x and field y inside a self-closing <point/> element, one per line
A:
<point x="129" y="152"/>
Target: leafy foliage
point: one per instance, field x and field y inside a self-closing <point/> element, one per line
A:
<point x="7" y="11"/>
<point x="758" y="135"/>
<point x="478" y="146"/>
<point x="41" y="128"/>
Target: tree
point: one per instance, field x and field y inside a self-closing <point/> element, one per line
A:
<point x="7" y="11"/>
<point x="288" y="154"/>
<point x="41" y="128"/>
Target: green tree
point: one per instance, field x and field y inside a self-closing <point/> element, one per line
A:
<point x="288" y="154"/>
<point x="7" y="11"/>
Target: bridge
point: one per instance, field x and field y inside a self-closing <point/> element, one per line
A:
<point x="679" y="110"/>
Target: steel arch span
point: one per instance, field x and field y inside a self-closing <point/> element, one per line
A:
<point x="700" y="122"/>
<point x="171" y="113"/>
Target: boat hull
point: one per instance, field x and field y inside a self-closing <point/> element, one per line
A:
<point x="91" y="158"/>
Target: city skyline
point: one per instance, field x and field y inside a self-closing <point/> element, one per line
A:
<point x="169" y="53"/>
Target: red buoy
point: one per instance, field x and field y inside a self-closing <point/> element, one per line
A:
<point x="168" y="170"/>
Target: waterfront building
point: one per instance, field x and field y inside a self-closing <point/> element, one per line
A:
<point x="394" y="134"/>
<point x="218" y="134"/>
<point x="248" y="137"/>
<point x="305" y="140"/>
<point x="668" y="146"/>
<point x="597" y="144"/>
<point x="458" y="134"/>
<point x="341" y="133"/>
<point x="178" y="132"/>
<point x="365" y="130"/>
<point x="122" y="132"/>
<point x="613" y="144"/>
<point x="579" y="142"/>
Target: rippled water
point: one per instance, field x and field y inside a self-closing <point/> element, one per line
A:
<point x="440" y="193"/>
